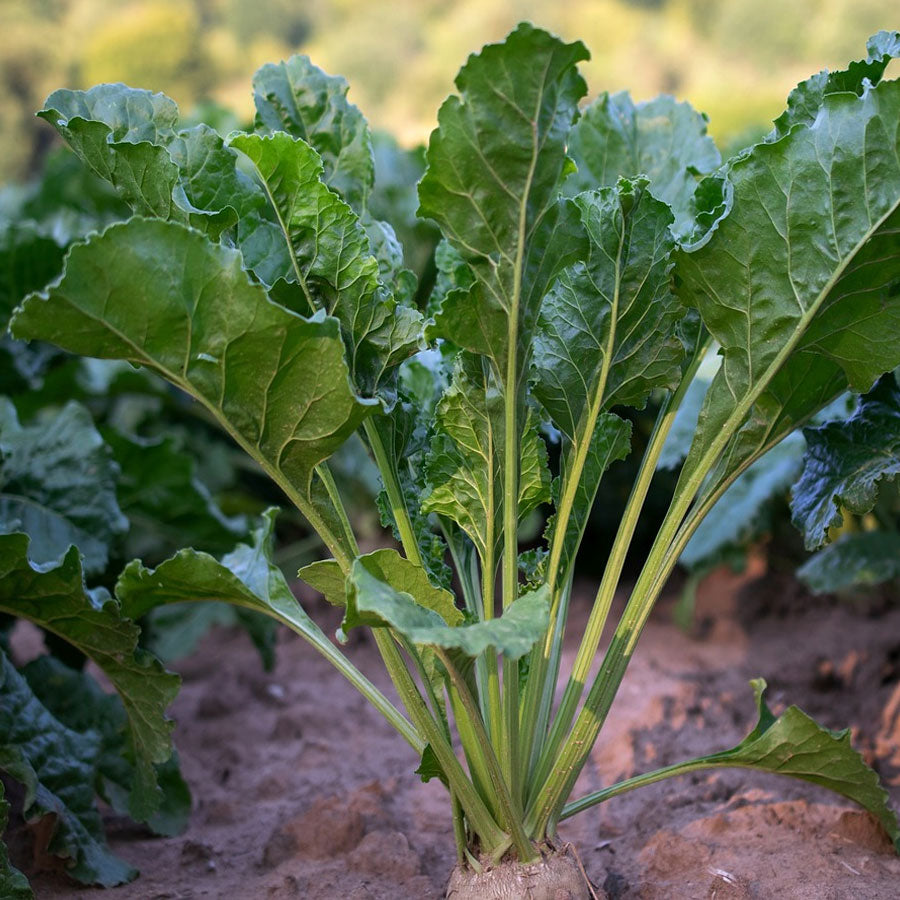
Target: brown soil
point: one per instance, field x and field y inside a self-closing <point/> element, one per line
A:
<point x="302" y="791"/>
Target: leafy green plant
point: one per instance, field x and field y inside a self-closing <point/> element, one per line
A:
<point x="255" y="278"/>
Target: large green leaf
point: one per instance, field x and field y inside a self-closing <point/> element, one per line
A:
<point x="13" y="884"/>
<point x="845" y="461"/>
<point x="463" y="468"/>
<point x="798" y="284"/>
<point x="76" y="700"/>
<point x="332" y="260"/>
<point x="58" y="484"/>
<point x="862" y="559"/>
<point x="128" y="137"/>
<point x="56" y="599"/>
<point x="806" y="99"/>
<point x="161" y="295"/>
<point x="29" y="258"/>
<point x="660" y="138"/>
<point x="56" y="767"/>
<point x="606" y="337"/>
<point x="299" y="98"/>
<point x="374" y="601"/>
<point x="495" y="166"/>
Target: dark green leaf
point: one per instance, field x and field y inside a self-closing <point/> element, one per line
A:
<point x="56" y="766"/>
<point x="58" y="484"/>
<point x="845" y="461"/>
<point x="13" y="884"/>
<point x="76" y="700"/>
<point x="165" y="502"/>
<point x="29" y="258"/>
<point x="170" y="300"/>
<point x="857" y="559"/>
<point x="56" y="600"/>
<point x="661" y="138"/>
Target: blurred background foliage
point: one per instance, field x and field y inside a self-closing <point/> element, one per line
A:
<point x="733" y="59"/>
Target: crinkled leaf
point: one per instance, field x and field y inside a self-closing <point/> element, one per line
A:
<point x="798" y="283"/>
<point x="740" y="514"/>
<point x="806" y="99"/>
<point x="56" y="767"/>
<point x="375" y="602"/>
<point x="168" y="506"/>
<point x="333" y="261"/>
<point x="13" y="884"/>
<point x="660" y="138"/>
<point x="462" y="468"/>
<point x="606" y="337"/>
<point x="128" y="137"/>
<point x="495" y="165"/>
<point x="797" y="746"/>
<point x="58" y="484"/>
<point x="297" y="97"/>
<point x="76" y="700"/>
<point x="160" y="295"/>
<point x="845" y="461"/>
<point x="56" y="600"/>
<point x="857" y="559"/>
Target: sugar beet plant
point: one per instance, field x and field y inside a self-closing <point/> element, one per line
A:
<point x="586" y="265"/>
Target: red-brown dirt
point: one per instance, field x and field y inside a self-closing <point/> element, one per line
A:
<point x="302" y="791"/>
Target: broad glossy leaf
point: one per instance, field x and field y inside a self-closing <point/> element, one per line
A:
<point x="740" y="514"/>
<point x="299" y="98"/>
<point x="797" y="746"/>
<point x="160" y="295"/>
<point x="56" y="767"/>
<point x="857" y="559"/>
<point x="495" y="166"/>
<point x="845" y="461"/>
<point x="798" y="284"/>
<point x="805" y="100"/>
<point x="78" y="702"/>
<point x="332" y="258"/>
<point x="606" y="337"/>
<point x="375" y="602"/>
<point x="58" y="484"/>
<point x="660" y="138"/>
<point x="56" y="600"/>
<point x="462" y="468"/>
<point x="168" y="506"/>
<point x="13" y="884"/>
